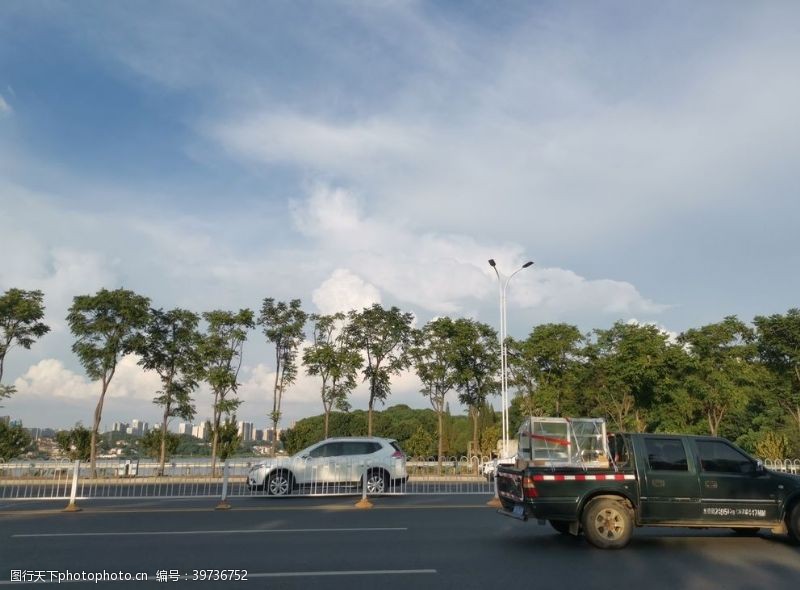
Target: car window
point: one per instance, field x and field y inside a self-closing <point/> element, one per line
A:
<point x="666" y="454"/>
<point x="361" y="448"/>
<point x="720" y="457"/>
<point x="331" y="449"/>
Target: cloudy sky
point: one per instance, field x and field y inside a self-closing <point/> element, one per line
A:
<point x="210" y="154"/>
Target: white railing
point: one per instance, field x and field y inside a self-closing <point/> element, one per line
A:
<point x="785" y="465"/>
<point x="193" y="478"/>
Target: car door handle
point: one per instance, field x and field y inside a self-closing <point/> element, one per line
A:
<point x="658" y="483"/>
<point x="711" y="484"/>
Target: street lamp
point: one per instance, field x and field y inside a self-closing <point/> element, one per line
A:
<point x="503" y="285"/>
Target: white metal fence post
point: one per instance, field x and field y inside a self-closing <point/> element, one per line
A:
<point x="72" y="506"/>
<point x="364" y="501"/>
<point x="223" y="503"/>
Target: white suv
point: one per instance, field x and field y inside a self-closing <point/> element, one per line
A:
<point x="333" y="465"/>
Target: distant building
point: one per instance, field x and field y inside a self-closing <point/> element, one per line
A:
<point x="259" y="434"/>
<point x="201" y="431"/>
<point x="138" y="428"/>
<point x="185" y="428"/>
<point x="245" y="431"/>
<point x="5" y="420"/>
<point x="120" y="427"/>
<point x="271" y="436"/>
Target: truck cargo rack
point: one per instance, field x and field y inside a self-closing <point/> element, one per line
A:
<point x="564" y="442"/>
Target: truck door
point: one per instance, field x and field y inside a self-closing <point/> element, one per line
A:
<point x="732" y="486"/>
<point x="669" y="488"/>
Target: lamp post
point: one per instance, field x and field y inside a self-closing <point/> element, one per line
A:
<point x="502" y="282"/>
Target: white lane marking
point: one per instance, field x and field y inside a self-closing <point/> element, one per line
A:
<point x="152" y="578"/>
<point x="209" y="532"/>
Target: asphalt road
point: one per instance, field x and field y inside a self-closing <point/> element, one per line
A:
<point x="413" y="542"/>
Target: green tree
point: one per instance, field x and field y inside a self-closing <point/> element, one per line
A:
<point x="420" y="444"/>
<point x="778" y="338"/>
<point x="21" y="313"/>
<point x="221" y="351"/>
<point x="721" y="371"/>
<point x="105" y="326"/>
<point x="283" y="326"/>
<point x="159" y="445"/>
<point x="626" y="363"/>
<point x="544" y="368"/>
<point x="170" y="346"/>
<point x="332" y="358"/>
<point x="75" y="443"/>
<point x="229" y="439"/>
<point x="383" y="335"/>
<point x="477" y="365"/>
<point x="14" y="441"/>
<point x="435" y="361"/>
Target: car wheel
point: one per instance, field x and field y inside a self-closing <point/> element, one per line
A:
<point x="607" y="524"/>
<point x="746" y="531"/>
<point x="377" y="482"/>
<point x="280" y="484"/>
<point x="561" y="526"/>
<point x="793" y="523"/>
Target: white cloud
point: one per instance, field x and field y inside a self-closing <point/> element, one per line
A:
<point x="442" y="273"/>
<point x="561" y="291"/>
<point x="5" y="108"/>
<point x="50" y="378"/>
<point x="344" y="291"/>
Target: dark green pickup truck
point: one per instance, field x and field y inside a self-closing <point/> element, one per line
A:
<point x="655" y="480"/>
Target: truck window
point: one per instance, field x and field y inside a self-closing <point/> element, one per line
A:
<point x="666" y="454"/>
<point x="719" y="457"/>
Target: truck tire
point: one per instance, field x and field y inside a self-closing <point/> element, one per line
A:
<point x="561" y="526"/>
<point x="607" y="523"/>
<point x="793" y="524"/>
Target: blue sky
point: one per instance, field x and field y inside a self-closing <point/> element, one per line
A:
<point x="211" y="154"/>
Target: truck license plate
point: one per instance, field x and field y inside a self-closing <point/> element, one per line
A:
<point x="519" y="510"/>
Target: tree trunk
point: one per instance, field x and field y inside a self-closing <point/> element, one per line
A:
<point x="440" y="416"/>
<point x="327" y="417"/>
<point x="214" y="437"/>
<point x="98" y="413"/>
<point x="369" y="417"/>
<point x="276" y="404"/>
<point x="475" y="414"/>
<point x="163" y="458"/>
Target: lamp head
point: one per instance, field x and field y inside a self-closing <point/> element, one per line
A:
<point x="527" y="264"/>
<point x="491" y="262"/>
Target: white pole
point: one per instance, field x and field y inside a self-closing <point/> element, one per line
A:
<point x="503" y="287"/>
<point x="72" y="507"/>
<point x="223" y="503"/>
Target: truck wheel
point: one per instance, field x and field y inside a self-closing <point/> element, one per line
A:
<point x="793" y="524"/>
<point x="607" y="524"/>
<point x="561" y="526"/>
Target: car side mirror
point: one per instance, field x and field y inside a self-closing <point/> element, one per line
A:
<point x="760" y="466"/>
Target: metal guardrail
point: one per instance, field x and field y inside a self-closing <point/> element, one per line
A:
<point x="42" y="480"/>
<point x="785" y="465"/>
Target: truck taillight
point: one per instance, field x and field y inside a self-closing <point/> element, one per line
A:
<point x="528" y="487"/>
